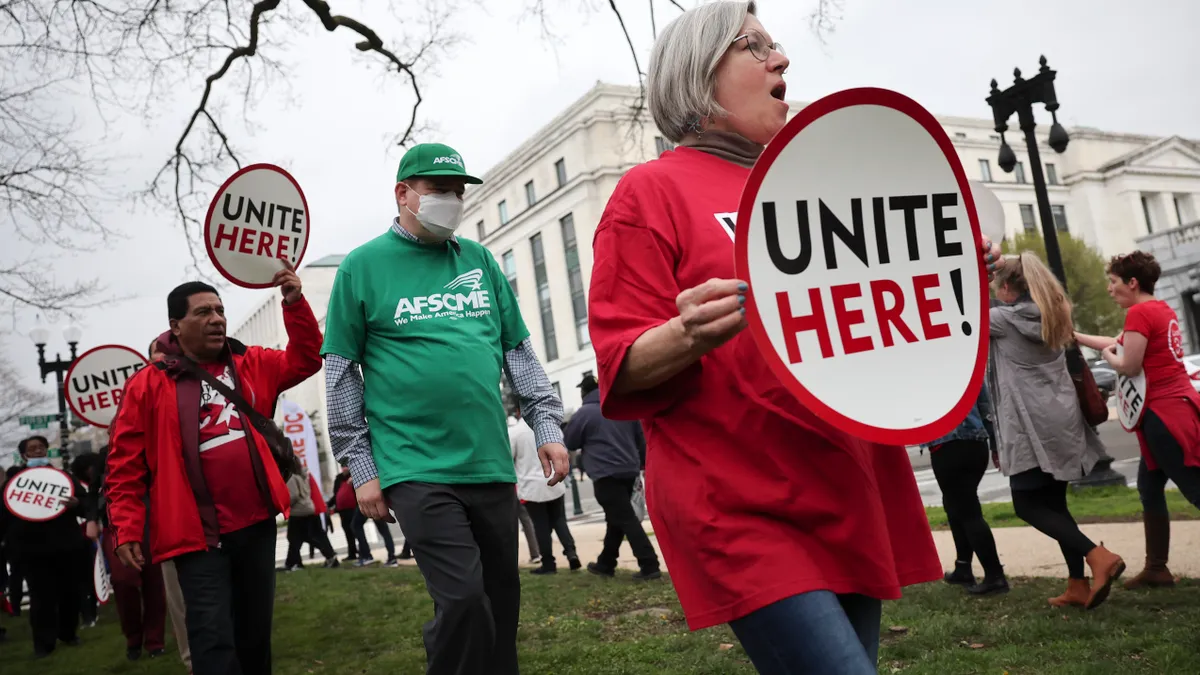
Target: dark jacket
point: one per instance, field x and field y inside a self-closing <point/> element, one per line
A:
<point x="60" y="535"/>
<point x="978" y="425"/>
<point x="610" y="449"/>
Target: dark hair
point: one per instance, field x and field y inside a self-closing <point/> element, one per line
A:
<point x="82" y="465"/>
<point x="177" y="300"/>
<point x="150" y="351"/>
<point x="1137" y="265"/>
<point x="21" y="446"/>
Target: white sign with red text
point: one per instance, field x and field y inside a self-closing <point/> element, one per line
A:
<point x="857" y="234"/>
<point x="299" y="429"/>
<point x="96" y="381"/>
<point x="1131" y="396"/>
<point x="257" y="218"/>
<point x="38" y="494"/>
<point x="101" y="579"/>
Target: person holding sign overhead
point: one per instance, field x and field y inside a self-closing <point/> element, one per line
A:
<point x="1043" y="440"/>
<point x="1169" y="429"/>
<point x="183" y="437"/>
<point x="769" y="518"/>
<point x="434" y="325"/>
<point x="52" y="548"/>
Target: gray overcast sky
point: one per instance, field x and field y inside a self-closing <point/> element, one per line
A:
<point x="1123" y="66"/>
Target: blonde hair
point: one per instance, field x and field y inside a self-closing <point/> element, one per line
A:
<point x="679" y="87"/>
<point x="1026" y="273"/>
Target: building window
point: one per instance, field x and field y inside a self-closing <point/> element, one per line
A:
<point x="960" y="135"/>
<point x="662" y="145"/>
<point x="1019" y="172"/>
<point x="1183" y="209"/>
<point x="985" y="170"/>
<point x="1051" y="175"/>
<point x="575" y="281"/>
<point x="543" y="294"/>
<point x="1060" y="217"/>
<point x="509" y="262"/>
<point x="1027" y="219"/>
<point x="530" y="195"/>
<point x="1146" y="212"/>
<point x="557" y="390"/>
<point x="480" y="229"/>
<point x="503" y="208"/>
<point x="560" y="172"/>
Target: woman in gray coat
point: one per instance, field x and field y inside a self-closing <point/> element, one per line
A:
<point x="1043" y="439"/>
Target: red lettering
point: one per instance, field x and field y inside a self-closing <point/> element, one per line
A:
<point x="222" y="235"/>
<point x="265" y="240"/>
<point x="85" y="403"/>
<point x="885" y="315"/>
<point x="796" y="324"/>
<point x="247" y="243"/>
<point x="102" y="399"/>
<point x="116" y="396"/>
<point x="298" y="445"/>
<point x="27" y="497"/>
<point x="294" y="417"/>
<point x="848" y="318"/>
<point x="50" y="503"/>
<point x="927" y="305"/>
<point x="284" y="243"/>
<point x="293" y="428"/>
<point x="16" y="496"/>
<point x="37" y="500"/>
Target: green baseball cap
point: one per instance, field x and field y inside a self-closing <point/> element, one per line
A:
<point x="433" y="159"/>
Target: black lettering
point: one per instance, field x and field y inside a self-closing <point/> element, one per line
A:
<point x="943" y="224"/>
<point x="783" y="263"/>
<point x="125" y="372"/>
<point x="283" y="216"/>
<point x="81" y="384"/>
<point x="909" y="204"/>
<point x="297" y="218"/>
<point x="98" y="380"/>
<point x="271" y="216"/>
<point x="255" y="213"/>
<point x="881" y="241"/>
<point x="234" y="215"/>
<point x="830" y="226"/>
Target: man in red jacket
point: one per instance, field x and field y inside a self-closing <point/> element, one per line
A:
<point x="215" y="488"/>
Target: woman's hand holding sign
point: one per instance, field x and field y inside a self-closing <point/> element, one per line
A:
<point x="710" y="314"/>
<point x="990" y="252"/>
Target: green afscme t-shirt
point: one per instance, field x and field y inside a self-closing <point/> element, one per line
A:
<point x="429" y="325"/>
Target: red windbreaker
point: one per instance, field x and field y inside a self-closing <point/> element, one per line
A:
<point x="148" y="453"/>
<point x="318" y="503"/>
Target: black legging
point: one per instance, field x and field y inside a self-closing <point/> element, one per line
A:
<point x="959" y="466"/>
<point x="1045" y="508"/>
<point x="1168" y="455"/>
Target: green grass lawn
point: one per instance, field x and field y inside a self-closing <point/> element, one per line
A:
<point x="369" y="622"/>
<point x="1094" y="505"/>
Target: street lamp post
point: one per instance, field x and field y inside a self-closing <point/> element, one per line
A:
<point x="59" y="367"/>
<point x="1020" y="99"/>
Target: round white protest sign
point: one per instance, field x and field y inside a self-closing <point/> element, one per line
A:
<point x="101" y="578"/>
<point x="258" y="217"/>
<point x="991" y="212"/>
<point x="38" y="494"/>
<point x="97" y="379"/>
<point x="1131" y="397"/>
<point x="868" y="297"/>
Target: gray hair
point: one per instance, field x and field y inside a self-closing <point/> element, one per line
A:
<point x="683" y="62"/>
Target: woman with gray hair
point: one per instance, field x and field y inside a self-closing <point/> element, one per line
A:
<point x="769" y="518"/>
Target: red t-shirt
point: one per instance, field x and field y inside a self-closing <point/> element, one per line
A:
<point x="1169" y="392"/>
<point x="225" y="459"/>
<point x="752" y="496"/>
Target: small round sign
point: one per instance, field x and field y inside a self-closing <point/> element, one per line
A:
<point x="1131" y="396"/>
<point x="258" y="218"/>
<point x="990" y="210"/>
<point x="96" y="381"/>
<point x="868" y="295"/>
<point x="101" y="578"/>
<point x="38" y="494"/>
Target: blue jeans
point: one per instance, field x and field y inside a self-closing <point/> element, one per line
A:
<point x="815" y="632"/>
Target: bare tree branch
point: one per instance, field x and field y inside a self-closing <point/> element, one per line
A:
<point x="824" y="18"/>
<point x="16" y="399"/>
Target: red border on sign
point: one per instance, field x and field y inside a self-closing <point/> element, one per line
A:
<point x="811" y="113"/>
<point x="212" y="206"/>
<point x="12" y="482"/>
<point x="67" y="380"/>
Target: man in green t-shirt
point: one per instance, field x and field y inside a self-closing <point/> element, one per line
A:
<point x="433" y="324"/>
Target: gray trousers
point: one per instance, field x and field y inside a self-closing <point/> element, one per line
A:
<point x="464" y="538"/>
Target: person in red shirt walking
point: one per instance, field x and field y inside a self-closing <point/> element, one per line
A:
<point x="1169" y="431"/>
<point x="768" y="517"/>
<point x="214" y="491"/>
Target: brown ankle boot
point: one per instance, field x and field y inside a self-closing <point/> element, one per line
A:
<point x="1078" y="591"/>
<point x="1106" y="567"/>
<point x="1158" y="545"/>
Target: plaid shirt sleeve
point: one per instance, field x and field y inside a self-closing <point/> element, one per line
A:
<point x="348" y="431"/>
<point x="539" y="405"/>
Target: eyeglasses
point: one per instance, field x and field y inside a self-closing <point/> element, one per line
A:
<point x="757" y="43"/>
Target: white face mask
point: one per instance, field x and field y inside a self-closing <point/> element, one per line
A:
<point x="438" y="212"/>
<point x="37" y="461"/>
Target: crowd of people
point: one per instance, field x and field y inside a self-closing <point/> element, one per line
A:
<point x="770" y="519"/>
